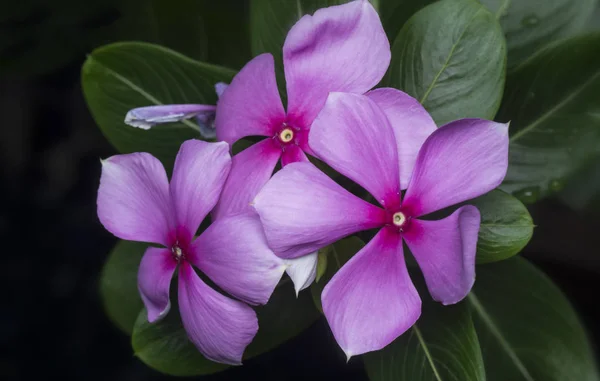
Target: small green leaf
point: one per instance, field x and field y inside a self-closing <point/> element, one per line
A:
<point x="529" y="25"/>
<point x="442" y="346"/>
<point x="340" y="253"/>
<point x="122" y="76"/>
<point x="506" y="226"/>
<point x="165" y="346"/>
<point x="527" y="329"/>
<point x="451" y="56"/>
<point x="552" y="102"/>
<point x="322" y="262"/>
<point x="118" y="284"/>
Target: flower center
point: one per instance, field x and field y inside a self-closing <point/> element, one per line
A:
<point x="286" y="135"/>
<point x="399" y="219"/>
<point x="177" y="252"/>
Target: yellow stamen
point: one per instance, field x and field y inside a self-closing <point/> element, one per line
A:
<point x="286" y="135"/>
<point x="399" y="219"/>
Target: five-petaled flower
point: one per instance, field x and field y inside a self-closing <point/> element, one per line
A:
<point x="137" y="202"/>
<point x="374" y="140"/>
<point x="340" y="48"/>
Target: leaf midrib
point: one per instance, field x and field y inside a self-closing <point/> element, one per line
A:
<point x="427" y="353"/>
<point x="487" y="320"/>
<point x="445" y="65"/>
<point x="554" y="109"/>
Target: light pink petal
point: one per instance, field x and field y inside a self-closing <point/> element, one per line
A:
<point x="411" y="124"/>
<point x="303" y="210"/>
<point x="154" y="280"/>
<point x="371" y="300"/>
<point x="220" y="88"/>
<point x="354" y="137"/>
<point x="233" y="252"/>
<point x="147" y="117"/>
<point x="459" y="161"/>
<point x="340" y="48"/>
<point x="293" y="154"/>
<point x="199" y="174"/>
<point x="133" y="198"/>
<point x="251" y="105"/>
<point x="250" y="170"/>
<point x="445" y="251"/>
<point x="302" y="271"/>
<point x="221" y="328"/>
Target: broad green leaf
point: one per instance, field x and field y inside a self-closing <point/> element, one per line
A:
<point x="339" y="253"/>
<point x="122" y="76"/>
<point x="165" y="347"/>
<point x="506" y="226"/>
<point x="553" y="104"/>
<point x="395" y="13"/>
<point x="442" y="346"/>
<point x="529" y="25"/>
<point x="582" y="192"/>
<point x="47" y="35"/>
<point x="118" y="284"/>
<point x="271" y="20"/>
<point x="451" y="56"/>
<point x="527" y="329"/>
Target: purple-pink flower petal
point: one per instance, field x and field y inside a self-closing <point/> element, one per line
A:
<point x="133" y="198"/>
<point x="219" y="327"/>
<point x="445" y="251"/>
<point x="250" y="170"/>
<point x="411" y="124"/>
<point x="199" y="174"/>
<point x="154" y="280"/>
<point x="147" y="117"/>
<point x="233" y="253"/>
<point x="340" y="48"/>
<point x="251" y="105"/>
<point x="354" y="137"/>
<point x="371" y="300"/>
<point x="302" y="270"/>
<point x="293" y="154"/>
<point x="303" y="210"/>
<point x="459" y="161"/>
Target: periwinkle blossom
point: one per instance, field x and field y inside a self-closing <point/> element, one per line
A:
<point x="373" y="139"/>
<point x="136" y="202"/>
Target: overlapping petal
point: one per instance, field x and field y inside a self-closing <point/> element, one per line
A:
<point x="459" y="161"/>
<point x="199" y="174"/>
<point x="339" y="48"/>
<point x="410" y="122"/>
<point x="219" y="327"/>
<point x="154" y="280"/>
<point x="445" y="251"/>
<point x="133" y="198"/>
<point x="147" y="117"/>
<point x="302" y="270"/>
<point x="250" y="170"/>
<point x="233" y="252"/>
<point x="251" y="105"/>
<point x="354" y="137"/>
<point x="371" y="300"/>
<point x="303" y="210"/>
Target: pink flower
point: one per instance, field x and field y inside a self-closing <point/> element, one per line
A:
<point x="136" y="202"/>
<point x="374" y="140"/>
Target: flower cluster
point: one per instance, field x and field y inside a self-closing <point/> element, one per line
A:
<point x="263" y="224"/>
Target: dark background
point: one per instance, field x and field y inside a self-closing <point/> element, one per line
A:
<point x="53" y="247"/>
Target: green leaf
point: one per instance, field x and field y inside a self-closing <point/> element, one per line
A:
<point x="47" y="35"/>
<point x="395" y="13"/>
<point x="339" y="253"/>
<point x="442" y="346"/>
<point x="451" y="56"/>
<point x="527" y="329"/>
<point x="552" y="102"/>
<point x="122" y="76"/>
<point x="322" y="262"/>
<point x="118" y="284"/>
<point x="506" y="226"/>
<point x="582" y="192"/>
<point x="529" y="25"/>
<point x="165" y="346"/>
